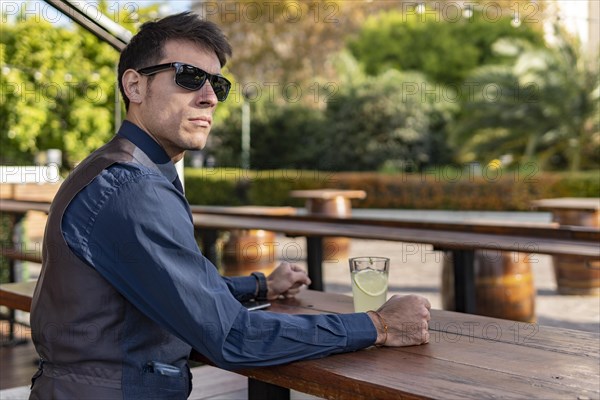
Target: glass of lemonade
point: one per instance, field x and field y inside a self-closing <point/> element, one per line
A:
<point x="369" y="282"/>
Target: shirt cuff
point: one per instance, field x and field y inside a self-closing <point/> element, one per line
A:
<point x="244" y="287"/>
<point x="361" y="331"/>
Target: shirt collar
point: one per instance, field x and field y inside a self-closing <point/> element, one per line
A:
<point x="150" y="147"/>
<point x="141" y="139"/>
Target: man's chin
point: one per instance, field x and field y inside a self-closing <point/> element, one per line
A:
<point x="196" y="147"/>
<point x="197" y="143"/>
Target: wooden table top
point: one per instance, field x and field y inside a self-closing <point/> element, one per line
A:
<point x="468" y="357"/>
<point x="20" y="206"/>
<point x="326" y="194"/>
<point x="247" y="210"/>
<point x="550" y="240"/>
<point x="17" y="295"/>
<point x="571" y="203"/>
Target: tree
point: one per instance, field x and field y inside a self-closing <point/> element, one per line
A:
<point x="47" y="95"/>
<point x="545" y="106"/>
<point x="444" y="46"/>
<point x="385" y="121"/>
<point x="287" y="42"/>
<point x="58" y="86"/>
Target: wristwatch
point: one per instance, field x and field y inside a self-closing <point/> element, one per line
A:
<point x="263" y="289"/>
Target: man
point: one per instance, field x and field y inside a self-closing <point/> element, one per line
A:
<point x="125" y="293"/>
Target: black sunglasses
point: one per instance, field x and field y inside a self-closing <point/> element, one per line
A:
<point x="192" y="78"/>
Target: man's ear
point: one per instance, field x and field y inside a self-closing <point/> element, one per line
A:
<point x="134" y="86"/>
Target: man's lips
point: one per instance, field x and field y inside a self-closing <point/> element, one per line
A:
<point x="201" y="121"/>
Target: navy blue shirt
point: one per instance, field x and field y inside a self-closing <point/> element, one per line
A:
<point x="133" y="225"/>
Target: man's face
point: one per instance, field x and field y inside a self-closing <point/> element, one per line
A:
<point x="178" y="119"/>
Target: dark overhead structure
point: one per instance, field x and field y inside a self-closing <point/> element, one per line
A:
<point x="91" y="18"/>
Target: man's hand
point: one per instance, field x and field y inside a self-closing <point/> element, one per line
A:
<point x="286" y="280"/>
<point x="406" y="318"/>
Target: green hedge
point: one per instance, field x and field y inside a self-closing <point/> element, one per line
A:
<point x="6" y="225"/>
<point x="435" y="189"/>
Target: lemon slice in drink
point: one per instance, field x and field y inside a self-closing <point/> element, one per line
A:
<point x="371" y="282"/>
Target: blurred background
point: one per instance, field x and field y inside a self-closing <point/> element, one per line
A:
<point x="453" y="111"/>
<point x="450" y="91"/>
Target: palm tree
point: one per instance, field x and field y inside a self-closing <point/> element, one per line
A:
<point x="542" y="106"/>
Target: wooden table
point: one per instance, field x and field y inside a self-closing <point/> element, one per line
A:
<point x="332" y="202"/>
<point x="575" y="275"/>
<point x="247" y="250"/>
<point x="462" y="239"/>
<point x="17" y="295"/>
<point x="468" y="357"/>
<point x="577" y="211"/>
<point x="16" y="210"/>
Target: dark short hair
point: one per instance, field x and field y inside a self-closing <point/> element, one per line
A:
<point x="147" y="46"/>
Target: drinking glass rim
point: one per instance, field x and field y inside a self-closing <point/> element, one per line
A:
<point x="369" y="258"/>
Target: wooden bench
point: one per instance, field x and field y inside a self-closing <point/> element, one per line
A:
<point x="16" y="211"/>
<point x="20" y="255"/>
<point x="17" y="295"/>
<point x="461" y="239"/>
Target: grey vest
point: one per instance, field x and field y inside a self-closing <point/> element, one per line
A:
<point x="92" y="342"/>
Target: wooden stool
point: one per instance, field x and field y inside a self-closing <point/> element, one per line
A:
<point x="334" y="203"/>
<point x="575" y="275"/>
<point x="250" y="250"/>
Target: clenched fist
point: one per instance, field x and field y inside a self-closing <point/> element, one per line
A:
<point x="286" y="280"/>
<point x="406" y="318"/>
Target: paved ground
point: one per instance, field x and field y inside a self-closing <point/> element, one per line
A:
<point x="417" y="269"/>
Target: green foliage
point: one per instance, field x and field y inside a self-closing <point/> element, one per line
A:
<point x="272" y="188"/>
<point x="544" y="106"/>
<point x="290" y="137"/>
<point x="369" y="123"/>
<point x="58" y="86"/>
<point x="59" y="92"/>
<point x="384" y="121"/>
<point x="445" y="48"/>
<point x="52" y="96"/>
<point x="199" y="190"/>
<point x="288" y="41"/>
<point x="6" y="226"/>
<point x="391" y="121"/>
<point x="234" y="186"/>
<point x="581" y="184"/>
<point x="441" y="188"/>
<point x="283" y="136"/>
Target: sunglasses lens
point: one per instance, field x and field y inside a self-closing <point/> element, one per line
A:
<point x="221" y="87"/>
<point x="190" y="77"/>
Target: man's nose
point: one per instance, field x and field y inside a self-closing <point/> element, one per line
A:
<point x="206" y="95"/>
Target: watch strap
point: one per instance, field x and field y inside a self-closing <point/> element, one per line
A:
<point x="263" y="289"/>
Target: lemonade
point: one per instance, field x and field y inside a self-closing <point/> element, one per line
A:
<point x="369" y="288"/>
